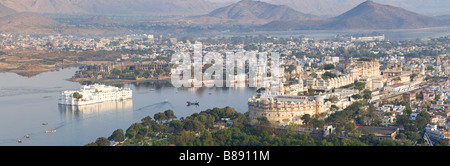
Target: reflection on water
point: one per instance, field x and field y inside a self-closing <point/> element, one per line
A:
<point x="124" y="105"/>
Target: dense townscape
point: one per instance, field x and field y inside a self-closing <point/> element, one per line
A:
<point x="349" y="88"/>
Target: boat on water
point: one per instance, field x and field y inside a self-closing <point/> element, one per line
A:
<point x="50" y="131"/>
<point x="96" y="93"/>
<point x="44" y="123"/>
<point x="196" y="103"/>
<point x="166" y="101"/>
<point x="27" y="136"/>
<point x="19" y="141"/>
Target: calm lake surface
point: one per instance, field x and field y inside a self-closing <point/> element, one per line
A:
<point x="29" y="106"/>
<point x="390" y="34"/>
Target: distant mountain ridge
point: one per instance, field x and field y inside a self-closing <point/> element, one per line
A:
<point x="248" y="9"/>
<point x="367" y="15"/>
<point x="371" y="15"/>
<point x="112" y="7"/>
<point x="246" y="14"/>
<point x="27" y="22"/>
<point x="332" y="8"/>
<point x="24" y="22"/>
<point x="254" y="13"/>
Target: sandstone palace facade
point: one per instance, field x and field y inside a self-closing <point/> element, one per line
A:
<point x="288" y="105"/>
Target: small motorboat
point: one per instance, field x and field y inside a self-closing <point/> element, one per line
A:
<point x="19" y="141"/>
<point x="50" y="131"/>
<point x="44" y="123"/>
<point x="166" y="101"/>
<point x="192" y="103"/>
<point x="27" y="136"/>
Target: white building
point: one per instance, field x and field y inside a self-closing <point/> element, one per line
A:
<point x="96" y="93"/>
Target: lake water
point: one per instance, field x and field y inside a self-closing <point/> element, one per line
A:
<point x="390" y="34"/>
<point x="29" y="106"/>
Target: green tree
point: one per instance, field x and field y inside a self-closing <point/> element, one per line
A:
<point x="133" y="130"/>
<point x="159" y="128"/>
<point x="142" y="133"/>
<point x="357" y="96"/>
<point x="206" y="138"/>
<point x="264" y="125"/>
<point x="170" y="115"/>
<point x="306" y="119"/>
<point x="240" y="121"/>
<point x="413" y="135"/>
<point x="193" y="125"/>
<point x="77" y="95"/>
<point x="403" y="120"/>
<point x="422" y="119"/>
<point x="102" y="141"/>
<point x="334" y="108"/>
<point x="146" y="121"/>
<point x="176" y="125"/>
<point x="117" y="136"/>
<point x="291" y="68"/>
<point x="328" y="66"/>
<point x="367" y="94"/>
<point x="160" y="117"/>
<point x="360" y="86"/>
<point x="317" y="123"/>
<point x="327" y="75"/>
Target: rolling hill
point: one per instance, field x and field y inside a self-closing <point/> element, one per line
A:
<point x="371" y="15"/>
<point x="250" y="12"/>
<point x="367" y="15"/>
<point x="27" y="22"/>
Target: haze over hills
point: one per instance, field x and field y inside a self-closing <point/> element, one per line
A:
<point x="371" y="15"/>
<point x="332" y="8"/>
<point x="112" y="7"/>
<point x="367" y="15"/>
<point x="245" y="15"/>
<point x="256" y="12"/>
<point x="4" y="11"/>
<point x="24" y="22"/>
<point x="99" y="20"/>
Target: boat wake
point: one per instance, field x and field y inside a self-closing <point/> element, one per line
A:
<point x="155" y="106"/>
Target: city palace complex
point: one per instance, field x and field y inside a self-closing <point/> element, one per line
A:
<point x="321" y="92"/>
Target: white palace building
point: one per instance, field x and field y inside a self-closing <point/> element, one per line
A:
<point x="90" y="94"/>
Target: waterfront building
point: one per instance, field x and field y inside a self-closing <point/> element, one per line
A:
<point x="283" y="108"/>
<point x="90" y="94"/>
<point x="288" y="105"/>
